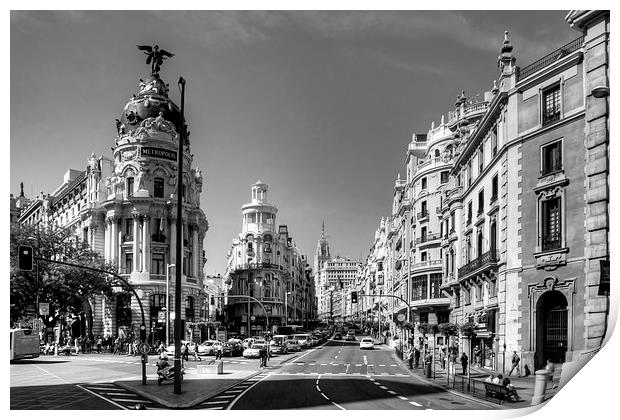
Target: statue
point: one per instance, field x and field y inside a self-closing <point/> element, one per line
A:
<point x="140" y="179"/>
<point x="120" y="127"/>
<point x="154" y="56"/>
<point x="198" y="176"/>
<point x="93" y="163"/>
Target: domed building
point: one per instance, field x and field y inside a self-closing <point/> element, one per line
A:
<point x="125" y="208"/>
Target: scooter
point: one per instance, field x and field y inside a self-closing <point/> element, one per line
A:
<point x="165" y="371"/>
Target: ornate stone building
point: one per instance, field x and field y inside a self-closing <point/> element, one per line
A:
<point x="265" y="264"/>
<point x="125" y="208"/>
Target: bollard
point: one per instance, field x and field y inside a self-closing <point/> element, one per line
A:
<point x="540" y="386"/>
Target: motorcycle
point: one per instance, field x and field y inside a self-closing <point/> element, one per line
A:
<point x="165" y="371"/>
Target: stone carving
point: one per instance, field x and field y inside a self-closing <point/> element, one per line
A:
<point x="198" y="175"/>
<point x="128" y="155"/>
<point x="158" y="123"/>
<point x="120" y="127"/>
<point x="140" y="179"/>
<point x="132" y="117"/>
<point x="446" y="155"/>
<point x="93" y="163"/>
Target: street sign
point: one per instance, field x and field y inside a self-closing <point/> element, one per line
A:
<point x="144" y="348"/>
<point x="44" y="308"/>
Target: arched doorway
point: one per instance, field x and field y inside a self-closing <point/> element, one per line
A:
<point x="551" y="328"/>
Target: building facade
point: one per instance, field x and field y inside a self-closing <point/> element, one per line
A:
<point x="124" y="208"/>
<point x="265" y="264"/>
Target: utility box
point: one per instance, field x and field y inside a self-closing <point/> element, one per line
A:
<point x="215" y="367"/>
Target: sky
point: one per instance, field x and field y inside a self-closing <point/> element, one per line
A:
<point x="319" y="105"/>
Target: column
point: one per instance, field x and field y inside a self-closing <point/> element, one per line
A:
<point x="136" y="242"/>
<point x="146" y="244"/>
<point x="117" y="241"/>
<point x="173" y="240"/>
<point x="196" y="252"/>
<point x="106" y="240"/>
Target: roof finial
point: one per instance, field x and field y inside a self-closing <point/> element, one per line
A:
<point x="21" y="187"/>
<point x="507" y="47"/>
<point x="323" y="230"/>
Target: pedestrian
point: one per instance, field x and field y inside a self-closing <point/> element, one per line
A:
<point x="265" y="356"/>
<point x="512" y="392"/>
<point x="196" y="357"/>
<point x="444" y="357"/>
<point x="551" y="369"/>
<point x="185" y="351"/>
<point x="89" y="344"/>
<point x="416" y="357"/>
<point x="161" y="349"/>
<point x="453" y="363"/>
<point x="464" y="361"/>
<point x="498" y="379"/>
<point x="261" y="356"/>
<point x="218" y="353"/>
<point x="99" y="342"/>
<point x="117" y="345"/>
<point x="515" y="363"/>
<point x="476" y="355"/>
<point x="78" y="344"/>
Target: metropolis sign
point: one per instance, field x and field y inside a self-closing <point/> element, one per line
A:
<point x="159" y="153"/>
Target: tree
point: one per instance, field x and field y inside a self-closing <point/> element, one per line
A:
<point x="423" y="329"/>
<point x="468" y="329"/>
<point x="448" y="329"/>
<point x="67" y="289"/>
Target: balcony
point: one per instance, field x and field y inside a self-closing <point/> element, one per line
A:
<point x="429" y="237"/>
<point x="550" y="58"/>
<point x="424" y="264"/>
<point x="156" y="237"/>
<point x="551" y="242"/>
<point x="423" y="214"/>
<point x="127" y="238"/>
<point x="487" y="259"/>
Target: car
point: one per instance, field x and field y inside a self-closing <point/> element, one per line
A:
<point x="367" y="343"/>
<point x="338" y="335"/>
<point x="170" y="348"/>
<point x="253" y="351"/>
<point x="278" y="338"/>
<point x="236" y="347"/>
<point x="351" y="335"/>
<point x="247" y="343"/>
<point x="304" y="340"/>
<point x="292" y="345"/>
<point x="260" y="343"/>
<point x="278" y="347"/>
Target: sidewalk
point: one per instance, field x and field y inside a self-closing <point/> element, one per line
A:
<point x="473" y="385"/>
<point x="195" y="387"/>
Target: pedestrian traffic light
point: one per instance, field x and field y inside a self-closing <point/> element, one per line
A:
<point x="143" y="333"/>
<point x="353" y="297"/>
<point x="24" y="257"/>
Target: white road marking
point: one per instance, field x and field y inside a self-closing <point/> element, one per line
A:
<point x="391" y="392"/>
<point x="415" y="403"/>
<point x="402" y="398"/>
<point x="102" y="397"/>
<point x="116" y="393"/>
<point x="136" y="401"/>
<point x="383" y="387"/>
<point x="358" y="365"/>
<point x="246" y="390"/>
<point x="393" y="365"/>
<point x="211" y="402"/>
<point x="103" y="389"/>
<point x="214" y="408"/>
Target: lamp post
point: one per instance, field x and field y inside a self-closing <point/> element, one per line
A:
<point x="168" y="267"/>
<point x="179" y="244"/>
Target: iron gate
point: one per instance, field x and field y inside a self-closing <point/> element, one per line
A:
<point x="556" y="335"/>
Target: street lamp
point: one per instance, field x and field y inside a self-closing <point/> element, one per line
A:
<point x="168" y="267"/>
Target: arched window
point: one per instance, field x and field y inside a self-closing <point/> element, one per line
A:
<point x="267" y="293"/>
<point x="436" y="153"/>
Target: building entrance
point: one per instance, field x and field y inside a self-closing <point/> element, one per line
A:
<point x="552" y="328"/>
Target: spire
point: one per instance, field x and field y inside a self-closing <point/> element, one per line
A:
<point x="507" y="47"/>
<point x="21" y="188"/>
<point x="323" y="230"/>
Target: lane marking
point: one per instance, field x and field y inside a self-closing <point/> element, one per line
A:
<point x="402" y="398"/>
<point x="230" y="406"/>
<point x="325" y="396"/>
<point x="415" y="403"/>
<point x="391" y="392"/>
<point x="117" y="393"/>
<point x="383" y="387"/>
<point x="122" y="407"/>
<point x="136" y="401"/>
<point x="211" y="402"/>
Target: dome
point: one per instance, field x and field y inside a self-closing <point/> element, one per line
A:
<point x="150" y="101"/>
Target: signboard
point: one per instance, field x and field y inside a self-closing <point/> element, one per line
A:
<point x="144" y="348"/>
<point x="221" y="336"/>
<point x="603" y="288"/>
<point x="161" y="316"/>
<point x="156" y="152"/>
<point x="44" y="308"/>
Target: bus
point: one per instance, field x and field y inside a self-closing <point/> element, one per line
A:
<point x="24" y="344"/>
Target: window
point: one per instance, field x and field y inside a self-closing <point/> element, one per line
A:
<point x="452" y="221"/>
<point x="444" y="176"/>
<point x="423" y="256"/>
<point x="467" y="296"/>
<point x="478" y="292"/>
<point x="494" y="188"/>
<point x="481" y="201"/>
<point x="469" y="213"/>
<point x="128" y="226"/>
<point x="423" y="232"/>
<point x="424" y="211"/>
<point x="424" y="318"/>
<point x="189" y="309"/>
<point x="492" y="288"/>
<point x="469" y="174"/>
<point x="157" y="265"/>
<point x="481" y="160"/>
<point x="494" y="142"/>
<point x="435" y="285"/>
<point x="551" y="224"/>
<point x="551" y="158"/>
<point x="158" y="188"/>
<point x="418" y="288"/>
<point x="130" y="186"/>
<point x="128" y="263"/>
<point x="183" y="190"/>
<point x="424" y="183"/>
<point x="551" y="105"/>
<point x="457" y="298"/>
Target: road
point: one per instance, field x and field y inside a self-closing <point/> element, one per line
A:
<point x="341" y="376"/>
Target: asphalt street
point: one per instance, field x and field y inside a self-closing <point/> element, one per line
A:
<point x="341" y="376"/>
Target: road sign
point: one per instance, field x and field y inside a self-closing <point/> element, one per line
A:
<point x="44" y="308"/>
<point x="144" y="348"/>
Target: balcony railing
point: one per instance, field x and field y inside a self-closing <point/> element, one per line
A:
<point x="550" y="58"/>
<point x="427" y="263"/>
<point x="128" y="238"/>
<point x="550" y="118"/>
<point x="429" y="237"/>
<point x="422" y="214"/>
<point x="487" y="258"/>
<point x="253" y="266"/>
<point x="553" y="241"/>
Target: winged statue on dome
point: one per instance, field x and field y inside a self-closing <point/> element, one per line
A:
<point x="154" y="56"/>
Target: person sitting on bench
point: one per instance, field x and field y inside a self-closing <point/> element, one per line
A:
<point x="512" y="392"/>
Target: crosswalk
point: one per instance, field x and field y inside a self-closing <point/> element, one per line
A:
<point x="222" y="400"/>
<point x="120" y="397"/>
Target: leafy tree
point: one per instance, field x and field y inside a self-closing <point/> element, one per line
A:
<point x="423" y="329"/>
<point x="449" y="329"/>
<point x="468" y="329"/>
<point x="67" y="289"/>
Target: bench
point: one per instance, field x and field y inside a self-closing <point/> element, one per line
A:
<point x="496" y="391"/>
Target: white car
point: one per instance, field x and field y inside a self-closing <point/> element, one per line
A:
<point x="278" y="338"/>
<point x="303" y="339"/>
<point x="367" y="343"/>
<point x="292" y="345"/>
<point x="253" y="351"/>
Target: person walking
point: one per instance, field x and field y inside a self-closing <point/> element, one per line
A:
<point x="117" y="345"/>
<point x="99" y="342"/>
<point x="515" y="363"/>
<point x="464" y="362"/>
<point x="196" y="357"/>
<point x="416" y="357"/>
<point x="185" y="351"/>
<point x="218" y="353"/>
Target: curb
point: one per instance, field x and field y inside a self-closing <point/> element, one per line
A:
<point x="443" y="388"/>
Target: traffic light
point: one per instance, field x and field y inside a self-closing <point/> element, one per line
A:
<point x="142" y="333"/>
<point x="353" y="297"/>
<point x="24" y="257"/>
